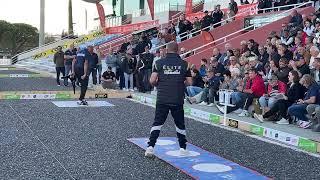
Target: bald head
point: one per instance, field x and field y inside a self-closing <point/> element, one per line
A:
<point x="172" y="47"/>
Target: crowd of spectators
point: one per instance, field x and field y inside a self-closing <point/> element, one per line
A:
<point x="279" y="78"/>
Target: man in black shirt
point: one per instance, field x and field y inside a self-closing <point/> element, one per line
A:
<point x="69" y="55"/>
<point x="108" y="79"/>
<point x="217" y="16"/>
<point x="206" y="21"/>
<point x="170" y="75"/>
<point x="93" y="62"/>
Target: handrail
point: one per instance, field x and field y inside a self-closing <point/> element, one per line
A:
<point x="203" y="46"/>
<point x="35" y="48"/>
<point x="279" y="7"/>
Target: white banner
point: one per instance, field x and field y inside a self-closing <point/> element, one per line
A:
<point x="38" y="96"/>
<point x="281" y="136"/>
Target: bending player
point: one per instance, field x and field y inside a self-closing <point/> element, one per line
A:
<point x="169" y="75"/>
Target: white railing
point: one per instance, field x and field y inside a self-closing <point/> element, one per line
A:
<point x="224" y="39"/>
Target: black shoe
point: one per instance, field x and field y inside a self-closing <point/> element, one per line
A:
<point x="82" y="103"/>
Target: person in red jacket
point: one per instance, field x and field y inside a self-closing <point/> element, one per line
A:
<point x="254" y="89"/>
<point x="276" y="91"/>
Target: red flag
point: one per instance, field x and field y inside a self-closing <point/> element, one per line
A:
<point x="188" y="7"/>
<point x="102" y="15"/>
<point x="151" y="7"/>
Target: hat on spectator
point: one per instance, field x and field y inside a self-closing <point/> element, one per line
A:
<point x="206" y="11"/>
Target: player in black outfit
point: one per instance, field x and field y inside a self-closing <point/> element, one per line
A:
<point x="170" y="75"/>
<point x="80" y="69"/>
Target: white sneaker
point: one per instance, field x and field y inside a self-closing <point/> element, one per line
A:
<point x="125" y="89"/>
<point x="211" y="105"/>
<point x="203" y="103"/>
<point x="131" y="90"/>
<point x="149" y="152"/>
<point x="283" y="121"/>
<point x="183" y="152"/>
<point x="244" y="113"/>
<point x="259" y="117"/>
<point x="136" y="89"/>
<point x="220" y="108"/>
<point x="238" y="111"/>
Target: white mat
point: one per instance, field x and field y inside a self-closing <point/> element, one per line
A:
<point x="74" y="104"/>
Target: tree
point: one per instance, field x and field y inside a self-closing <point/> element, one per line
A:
<point x="18" y="37"/>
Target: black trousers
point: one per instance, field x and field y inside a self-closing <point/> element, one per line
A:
<point x="280" y="108"/>
<point x="162" y="111"/>
<point x="60" y="70"/>
<point x="83" y="84"/>
<point x="93" y="72"/>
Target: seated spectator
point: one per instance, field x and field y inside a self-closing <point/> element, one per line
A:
<point x="284" y="27"/>
<point x="227" y="47"/>
<point x="209" y="93"/>
<point x="254" y="89"/>
<point x="268" y="42"/>
<point x="315" y="73"/>
<point x="273" y="53"/>
<point x="269" y="71"/>
<point x="276" y="91"/>
<point x="244" y="65"/>
<point x="299" y="109"/>
<point x="216" y="53"/>
<point x="284" y="52"/>
<point x="315" y="53"/>
<point x="108" y="79"/>
<point x="254" y="64"/>
<point x="203" y="67"/>
<point x="301" y="51"/>
<point x="197" y="84"/>
<point x="309" y="42"/>
<point x="233" y="63"/>
<point x="124" y="46"/>
<point x="300" y="66"/>
<point x="302" y="35"/>
<point x="231" y="79"/>
<point x="283" y="71"/>
<point x="243" y="46"/>
<point x="316" y="39"/>
<point x="308" y="28"/>
<point x="297" y="43"/>
<point x="253" y="47"/>
<point x="236" y="53"/>
<point x="219" y="68"/>
<point x="287" y="39"/>
<point x="226" y="59"/>
<point x="263" y="55"/>
<point x="279" y="109"/>
<point x="314" y="112"/>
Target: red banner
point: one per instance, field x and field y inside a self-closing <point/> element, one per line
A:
<point x="102" y="15"/>
<point x="151" y="7"/>
<point x="131" y="27"/>
<point x="188" y="7"/>
<point x="244" y="10"/>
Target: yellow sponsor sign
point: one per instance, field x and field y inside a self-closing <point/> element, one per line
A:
<point x="76" y="42"/>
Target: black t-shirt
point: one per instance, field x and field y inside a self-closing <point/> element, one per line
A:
<point x="108" y="75"/>
<point x="172" y="72"/>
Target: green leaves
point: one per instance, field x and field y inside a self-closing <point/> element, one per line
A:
<point x="17" y="37"/>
